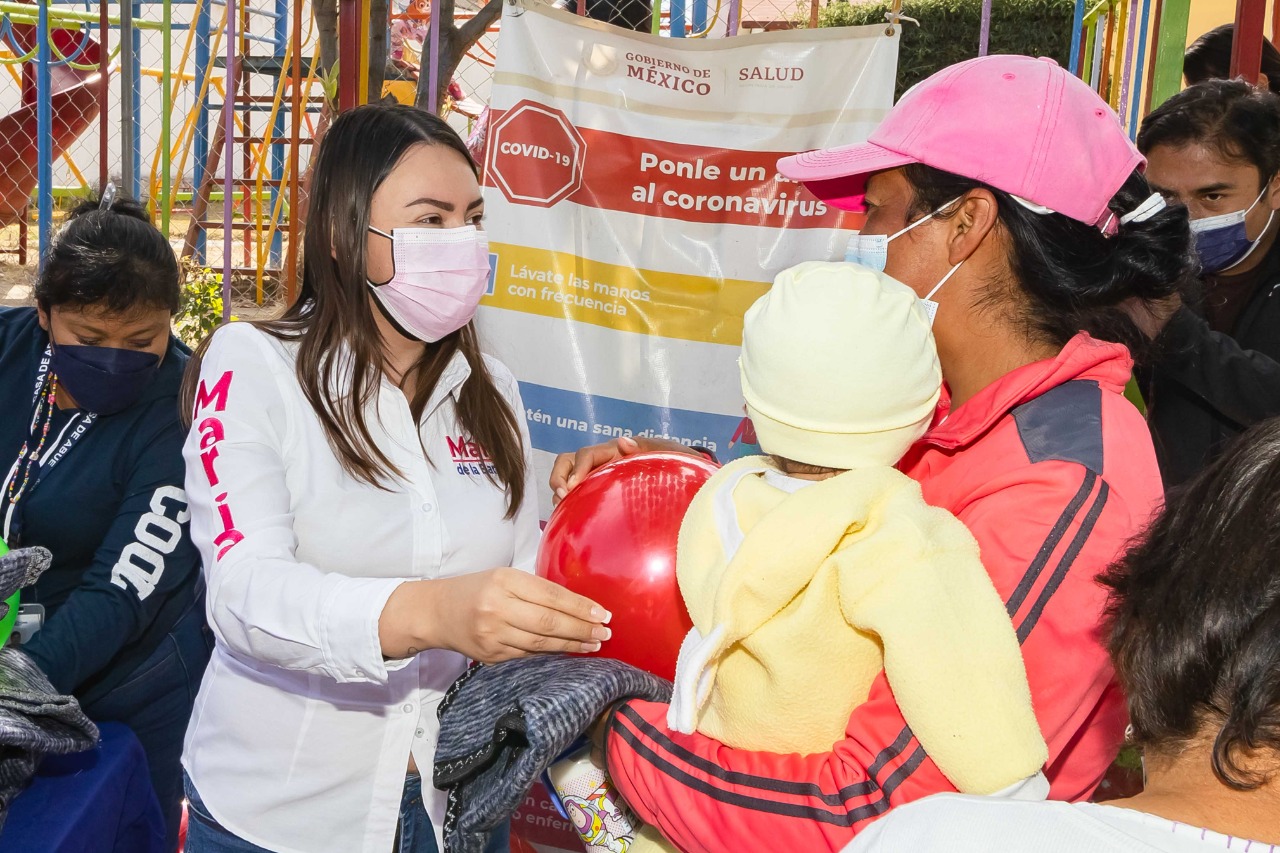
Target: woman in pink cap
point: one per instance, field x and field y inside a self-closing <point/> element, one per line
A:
<point x="1005" y="193"/>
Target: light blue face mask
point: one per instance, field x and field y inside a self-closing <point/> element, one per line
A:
<point x="872" y="250"/>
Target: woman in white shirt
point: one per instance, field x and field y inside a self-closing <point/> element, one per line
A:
<point x="356" y="471"/>
<point x="1194" y="632"/>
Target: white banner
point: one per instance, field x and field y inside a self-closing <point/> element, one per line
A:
<point x="635" y="212"/>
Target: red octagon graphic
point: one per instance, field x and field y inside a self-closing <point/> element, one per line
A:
<point x="535" y="155"/>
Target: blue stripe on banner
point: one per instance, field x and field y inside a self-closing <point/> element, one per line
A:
<point x="562" y="421"/>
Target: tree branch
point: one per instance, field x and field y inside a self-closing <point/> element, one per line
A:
<point x="470" y="32"/>
<point x="379" y="12"/>
<point x="326" y="17"/>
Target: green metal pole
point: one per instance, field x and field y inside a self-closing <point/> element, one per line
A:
<point x="22" y="13"/>
<point x="657" y="17"/>
<point x="166" y="109"/>
<point x="1171" y="43"/>
<point x="1086" y="68"/>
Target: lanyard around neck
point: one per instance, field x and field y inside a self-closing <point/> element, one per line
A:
<point x="34" y="460"/>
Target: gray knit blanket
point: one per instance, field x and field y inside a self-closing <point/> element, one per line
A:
<point x="501" y="726"/>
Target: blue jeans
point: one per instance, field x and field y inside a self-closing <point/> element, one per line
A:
<point x="415" y="833"/>
<point x="156" y="701"/>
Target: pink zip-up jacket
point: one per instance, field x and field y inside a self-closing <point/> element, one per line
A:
<point x="1054" y="472"/>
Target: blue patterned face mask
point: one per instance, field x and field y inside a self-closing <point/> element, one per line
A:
<point x="872" y="250"/>
<point x="1221" y="241"/>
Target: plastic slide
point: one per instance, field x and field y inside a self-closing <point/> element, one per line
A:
<point x="75" y="107"/>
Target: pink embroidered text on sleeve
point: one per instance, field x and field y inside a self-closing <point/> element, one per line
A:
<point x="211" y="434"/>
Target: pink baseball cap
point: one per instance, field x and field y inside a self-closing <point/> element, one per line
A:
<point x="1022" y="125"/>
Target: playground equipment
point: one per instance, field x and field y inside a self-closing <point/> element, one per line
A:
<point x="73" y="107"/>
<point x="66" y="113"/>
<point x="269" y="184"/>
<point x="217" y="102"/>
<point x="179" y="76"/>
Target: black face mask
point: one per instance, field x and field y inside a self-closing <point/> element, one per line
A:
<point x="103" y="380"/>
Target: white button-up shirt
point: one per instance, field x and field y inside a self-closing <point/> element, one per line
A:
<point x="302" y="732"/>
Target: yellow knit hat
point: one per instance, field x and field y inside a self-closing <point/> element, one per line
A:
<point x="839" y="367"/>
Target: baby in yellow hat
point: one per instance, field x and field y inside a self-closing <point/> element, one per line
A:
<point x="809" y="571"/>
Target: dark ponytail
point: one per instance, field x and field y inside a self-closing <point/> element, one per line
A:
<point x="1072" y="276"/>
<point x="114" y="259"/>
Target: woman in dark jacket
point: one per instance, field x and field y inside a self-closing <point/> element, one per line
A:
<point x="91" y="460"/>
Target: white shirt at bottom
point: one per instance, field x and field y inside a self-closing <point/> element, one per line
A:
<point x="956" y="823"/>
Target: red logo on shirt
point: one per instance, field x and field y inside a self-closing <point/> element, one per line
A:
<point x="469" y="457"/>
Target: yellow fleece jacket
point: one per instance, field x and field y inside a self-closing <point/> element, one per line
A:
<point x="799" y="600"/>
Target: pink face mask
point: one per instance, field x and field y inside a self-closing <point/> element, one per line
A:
<point x="440" y="275"/>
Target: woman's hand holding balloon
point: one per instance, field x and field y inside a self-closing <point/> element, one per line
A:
<point x="490" y="616"/>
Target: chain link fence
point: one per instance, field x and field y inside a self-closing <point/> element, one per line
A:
<point x="154" y="126"/>
<point x="139" y="103"/>
<point x="73" y="57"/>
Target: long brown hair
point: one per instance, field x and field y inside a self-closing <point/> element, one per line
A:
<point x="333" y="321"/>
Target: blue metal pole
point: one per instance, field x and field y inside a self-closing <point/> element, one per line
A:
<point x="278" y="128"/>
<point x="699" y="16"/>
<point x="200" y="145"/>
<point x="1077" y="27"/>
<point x="677" y="19"/>
<point x="44" y="131"/>
<point x="136" y="71"/>
<point x="1140" y="76"/>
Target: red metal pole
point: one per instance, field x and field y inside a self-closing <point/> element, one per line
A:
<point x="22" y="235"/>
<point x="104" y="94"/>
<point x="1246" y="47"/>
<point x="348" y="54"/>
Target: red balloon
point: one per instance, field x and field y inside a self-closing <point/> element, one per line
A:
<point x="613" y="539"/>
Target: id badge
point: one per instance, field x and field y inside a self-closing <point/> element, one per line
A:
<point x="30" y="620"/>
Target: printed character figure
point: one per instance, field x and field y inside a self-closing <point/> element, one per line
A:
<point x="589" y="815"/>
<point x="411" y="27"/>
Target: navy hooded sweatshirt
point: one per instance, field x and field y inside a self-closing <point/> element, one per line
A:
<point x="114" y="514"/>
